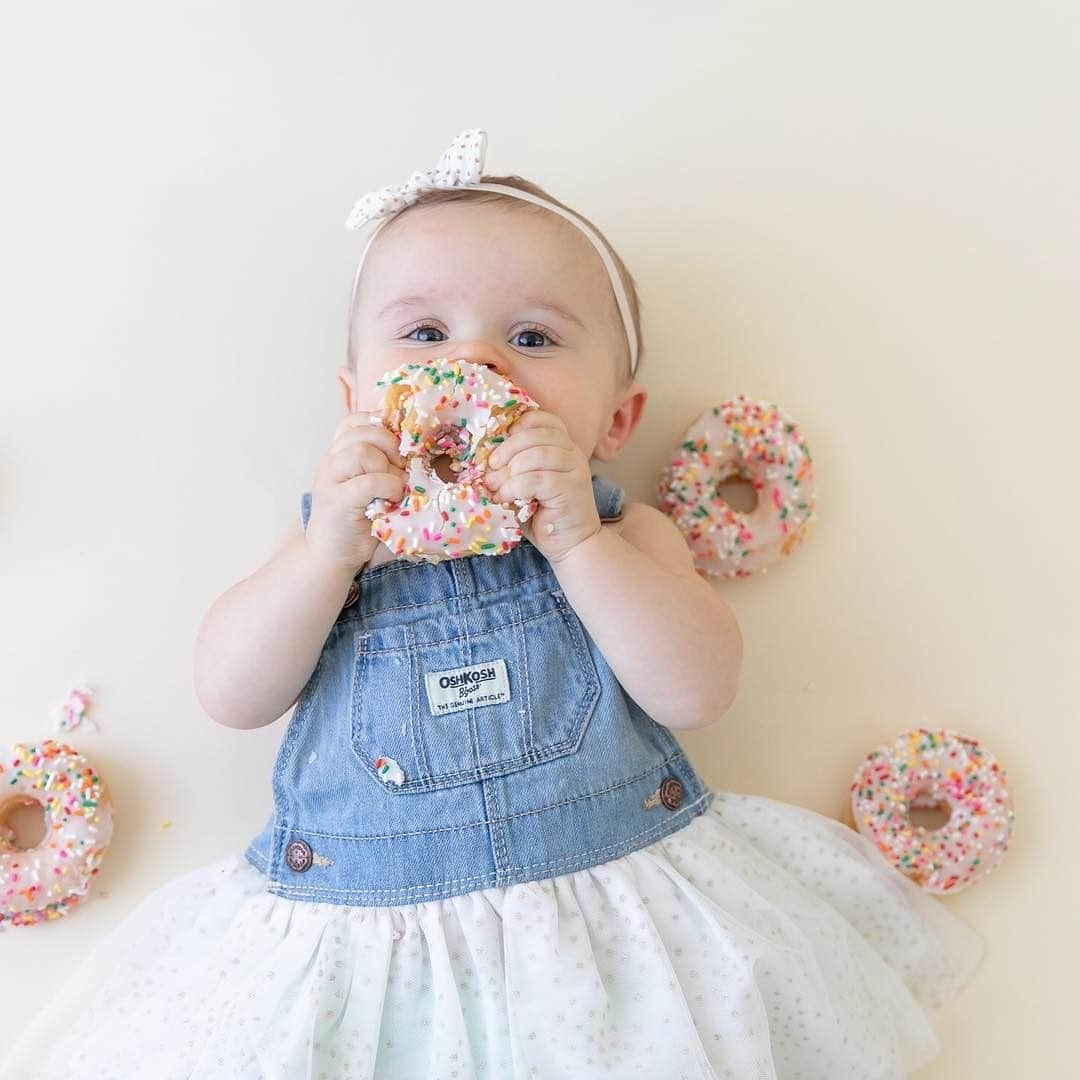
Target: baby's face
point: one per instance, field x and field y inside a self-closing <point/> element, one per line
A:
<point x="482" y="283"/>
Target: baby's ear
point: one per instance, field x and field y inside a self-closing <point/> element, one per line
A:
<point x="347" y="378"/>
<point x="626" y="417"/>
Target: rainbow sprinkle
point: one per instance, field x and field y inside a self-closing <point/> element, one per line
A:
<point x="758" y="442"/>
<point x="461" y="410"/>
<point x="924" y="767"/>
<point x="73" y="709"/>
<point x="45" y="882"/>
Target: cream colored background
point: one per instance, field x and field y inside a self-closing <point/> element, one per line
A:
<point x="863" y="211"/>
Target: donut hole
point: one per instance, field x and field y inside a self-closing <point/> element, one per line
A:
<point x="739" y="493"/>
<point x="928" y="811"/>
<point x="441" y="468"/>
<point x="450" y="439"/>
<point x="22" y="821"/>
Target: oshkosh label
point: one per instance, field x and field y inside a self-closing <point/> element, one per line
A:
<point x="467" y="687"/>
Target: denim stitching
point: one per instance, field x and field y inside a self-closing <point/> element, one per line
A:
<point x="419" y="742"/>
<point x="416" y="729"/>
<point x="679" y="756"/>
<point x="552" y="868"/>
<point x="490" y="771"/>
<point x="593" y="686"/>
<point x="527" y="726"/>
<point x="496" y="832"/>
<point x="252" y="855"/>
<point x="357" y="697"/>
<point x="304" y="704"/>
<point x="511" y="588"/>
<point x="493" y="769"/>
<point x="556" y="609"/>
<point x="471" y="575"/>
<point x="432" y="781"/>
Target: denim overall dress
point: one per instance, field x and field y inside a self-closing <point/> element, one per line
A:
<point x="461" y="730"/>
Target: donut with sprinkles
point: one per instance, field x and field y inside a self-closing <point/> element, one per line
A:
<point x="462" y="410"/>
<point x="755" y="441"/>
<point x="46" y="882"/>
<point x="924" y="768"/>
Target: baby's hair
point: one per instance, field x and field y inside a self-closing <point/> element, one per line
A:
<point x="444" y="195"/>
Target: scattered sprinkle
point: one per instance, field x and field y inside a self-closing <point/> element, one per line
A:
<point x="72" y="710"/>
<point x="754" y="441"/>
<point x="46" y="882"/>
<point x="461" y="410"/>
<point x="922" y="768"/>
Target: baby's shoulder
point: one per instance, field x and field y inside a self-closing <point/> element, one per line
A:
<point x="651" y="531"/>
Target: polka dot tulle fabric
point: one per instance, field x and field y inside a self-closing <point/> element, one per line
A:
<point x="762" y="940"/>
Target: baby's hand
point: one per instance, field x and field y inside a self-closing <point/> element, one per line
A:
<point x="363" y="463"/>
<point x="540" y="461"/>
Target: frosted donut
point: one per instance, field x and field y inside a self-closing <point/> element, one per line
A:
<point x="462" y="410"/>
<point x="928" y="768"/>
<point x="760" y="443"/>
<point x="43" y="883"/>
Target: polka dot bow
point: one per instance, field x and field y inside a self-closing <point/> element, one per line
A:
<point x="461" y="165"/>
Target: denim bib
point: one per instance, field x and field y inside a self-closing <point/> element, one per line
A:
<point x="461" y="730"/>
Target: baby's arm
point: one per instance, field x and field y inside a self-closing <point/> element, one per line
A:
<point x="259" y="642"/>
<point x="672" y="642"/>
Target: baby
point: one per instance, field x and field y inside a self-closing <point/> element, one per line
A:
<point x="487" y="853"/>
<point x="503" y="283"/>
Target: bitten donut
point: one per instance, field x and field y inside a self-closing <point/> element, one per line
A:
<point x="760" y="443"/>
<point x="462" y="410"/>
<point x="45" y="882"/>
<point x="929" y="768"/>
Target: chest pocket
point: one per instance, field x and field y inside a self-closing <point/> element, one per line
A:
<point x="452" y="700"/>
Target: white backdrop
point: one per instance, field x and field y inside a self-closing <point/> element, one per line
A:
<point x="865" y="212"/>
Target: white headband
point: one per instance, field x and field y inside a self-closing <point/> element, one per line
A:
<point x="461" y="166"/>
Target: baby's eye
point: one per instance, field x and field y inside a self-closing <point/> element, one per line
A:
<point x="536" y="331"/>
<point x="424" y="326"/>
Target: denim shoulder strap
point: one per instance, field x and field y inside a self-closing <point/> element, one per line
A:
<point x="609" y="498"/>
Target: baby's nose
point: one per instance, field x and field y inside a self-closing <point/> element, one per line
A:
<point x="480" y="352"/>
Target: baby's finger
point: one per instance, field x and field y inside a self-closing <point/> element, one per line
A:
<point x="535" y="484"/>
<point x="385" y="440"/>
<point x="352" y="419"/>
<point x="517" y="441"/>
<point x="538" y="418"/>
<point x="355" y="460"/>
<point x="543" y="456"/>
<point x="360" y="418"/>
<point x="362" y="489"/>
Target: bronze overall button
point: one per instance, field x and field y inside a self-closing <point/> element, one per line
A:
<point x="671" y="792"/>
<point x="298" y="856"/>
<point x="354" y="595"/>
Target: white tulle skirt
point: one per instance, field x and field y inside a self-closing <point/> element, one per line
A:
<point x="761" y="940"/>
